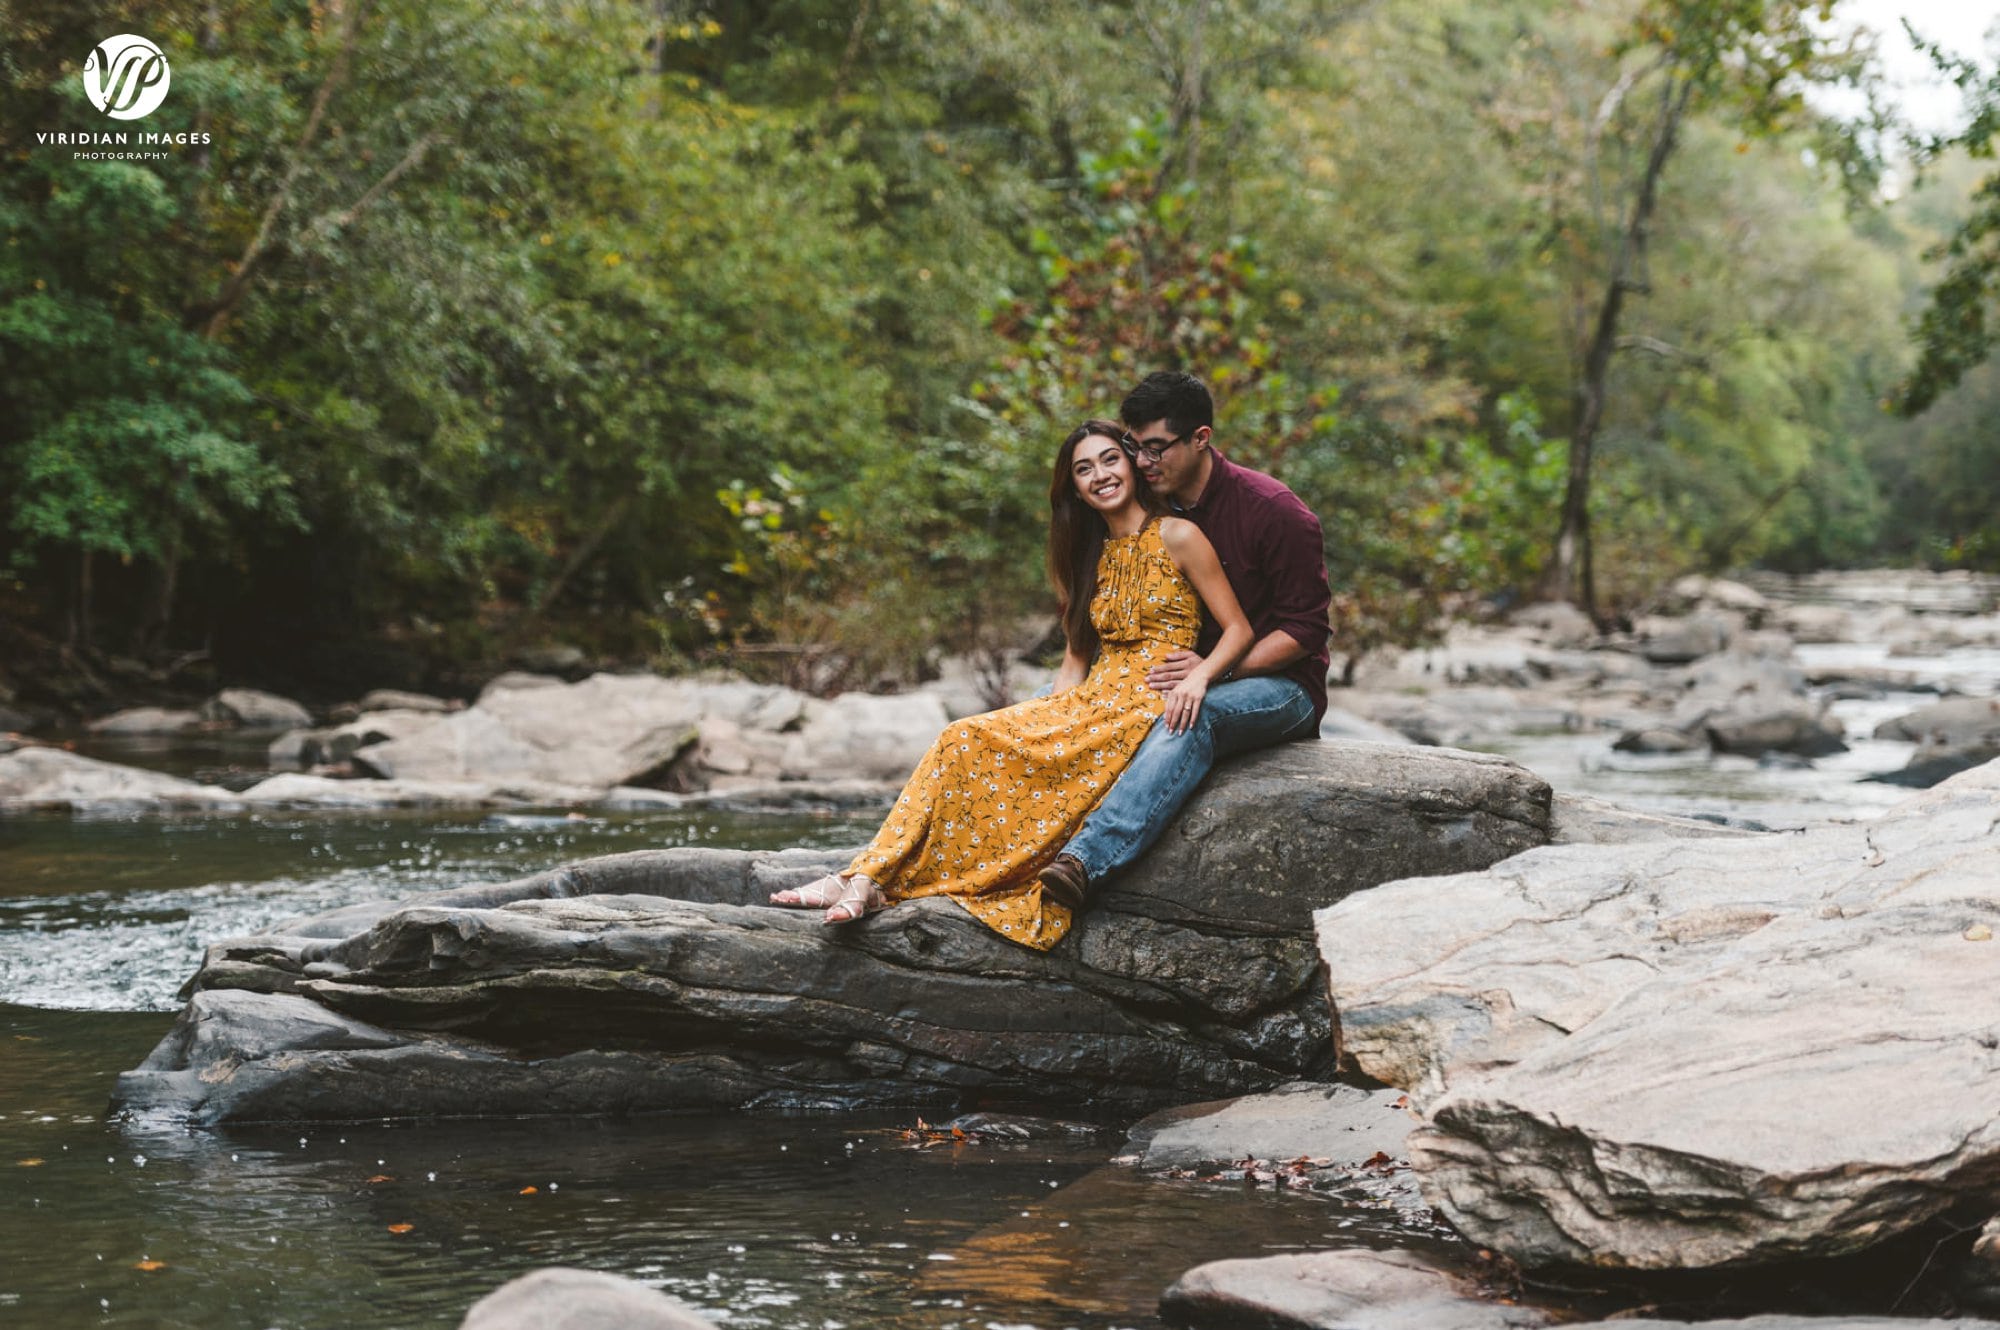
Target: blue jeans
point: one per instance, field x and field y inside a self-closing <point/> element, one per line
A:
<point x="1235" y="717"/>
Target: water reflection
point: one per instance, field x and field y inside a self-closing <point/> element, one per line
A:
<point x="772" y="1221"/>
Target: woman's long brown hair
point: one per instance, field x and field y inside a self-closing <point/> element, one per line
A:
<point x="1077" y="532"/>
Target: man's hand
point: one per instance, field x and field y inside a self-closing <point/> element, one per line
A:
<point x="1177" y="666"/>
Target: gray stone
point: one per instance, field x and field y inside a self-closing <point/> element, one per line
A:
<point x="1679" y="641"/>
<point x="559" y="658"/>
<point x="624" y="730"/>
<point x="1803" y="728"/>
<point x="145" y="720"/>
<point x="1977" y="1280"/>
<point x="395" y="699"/>
<point x="1336" y="1290"/>
<point x="1717" y="593"/>
<point x="563" y="1298"/>
<point x="1955" y="729"/>
<point x="1331" y="1125"/>
<point x="1817" y="623"/>
<point x="37" y="779"/>
<point x="862" y="736"/>
<point x="1659" y="739"/>
<point x="338" y="743"/>
<point x="1578" y="819"/>
<point x="249" y="709"/>
<point x="1342" y="724"/>
<point x="660" y="980"/>
<point x="299" y="790"/>
<point x="1556" y="623"/>
<point x="1698" y="1052"/>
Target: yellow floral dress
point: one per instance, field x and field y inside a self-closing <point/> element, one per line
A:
<point x="999" y="794"/>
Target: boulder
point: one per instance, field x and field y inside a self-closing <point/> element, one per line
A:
<point x="1578" y="819"/>
<point x="1329" y="1125"/>
<point x="859" y="735"/>
<point x="1337" y="1290"/>
<point x="1955" y="723"/>
<point x="1803" y="728"/>
<point x="338" y="743"/>
<point x="1678" y="641"/>
<point x="145" y="720"/>
<point x="624" y="730"/>
<point x="1339" y="723"/>
<point x="1556" y="623"/>
<point x="36" y="779"/>
<point x="1717" y="593"/>
<point x="1695" y="1053"/>
<point x="299" y="790"/>
<point x="1978" y="1277"/>
<point x="660" y="979"/>
<point x="557" y="658"/>
<point x="1659" y="739"/>
<point x="1507" y="659"/>
<point x="563" y="1298"/>
<point x="1817" y="624"/>
<point x="248" y="709"/>
<point x="395" y="699"/>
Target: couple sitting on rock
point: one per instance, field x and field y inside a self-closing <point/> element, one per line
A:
<point x="1018" y="813"/>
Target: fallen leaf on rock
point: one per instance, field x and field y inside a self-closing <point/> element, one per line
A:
<point x="1402" y="1101"/>
<point x="529" y="1191"/>
<point x="401" y="1228"/>
<point x="149" y="1265"/>
<point x="380" y="1177"/>
<point x="29" y="1163"/>
<point x="1377" y="1160"/>
<point x="1979" y="933"/>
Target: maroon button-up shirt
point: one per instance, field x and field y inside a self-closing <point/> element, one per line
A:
<point x="1270" y="546"/>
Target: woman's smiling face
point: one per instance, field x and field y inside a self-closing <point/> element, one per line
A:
<point x="1102" y="471"/>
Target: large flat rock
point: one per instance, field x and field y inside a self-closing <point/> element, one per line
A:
<point x="662" y="980"/>
<point x="37" y="779"/>
<point x="1697" y="1052"/>
<point x="625" y="729"/>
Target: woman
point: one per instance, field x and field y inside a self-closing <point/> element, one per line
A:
<point x="998" y="794"/>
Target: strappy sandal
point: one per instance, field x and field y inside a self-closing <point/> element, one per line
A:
<point x="861" y="899"/>
<point x="817" y="894"/>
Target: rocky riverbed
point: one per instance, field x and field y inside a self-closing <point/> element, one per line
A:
<point x="1586" y="1045"/>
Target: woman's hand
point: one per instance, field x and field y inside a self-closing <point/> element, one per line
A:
<point x="1184" y="703"/>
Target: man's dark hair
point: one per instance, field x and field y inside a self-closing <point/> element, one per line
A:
<point x="1180" y="399"/>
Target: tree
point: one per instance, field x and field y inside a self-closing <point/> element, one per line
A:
<point x="1747" y="60"/>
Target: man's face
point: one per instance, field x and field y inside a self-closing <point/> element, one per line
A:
<point x="1177" y="469"/>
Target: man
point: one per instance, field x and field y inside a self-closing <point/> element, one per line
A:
<point x="1270" y="547"/>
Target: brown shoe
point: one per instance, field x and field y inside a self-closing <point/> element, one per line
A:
<point x="1065" y="880"/>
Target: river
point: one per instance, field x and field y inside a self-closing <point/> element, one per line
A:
<point x="779" y="1221"/>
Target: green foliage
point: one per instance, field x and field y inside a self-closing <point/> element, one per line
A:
<point x="747" y="334"/>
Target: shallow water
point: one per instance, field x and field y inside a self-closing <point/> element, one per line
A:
<point x="797" y="1221"/>
<point x="112" y="915"/>
<point x="803" y="1221"/>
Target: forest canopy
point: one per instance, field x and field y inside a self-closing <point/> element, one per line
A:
<point x="744" y="333"/>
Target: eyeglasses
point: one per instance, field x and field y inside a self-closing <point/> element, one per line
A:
<point x="1153" y="449"/>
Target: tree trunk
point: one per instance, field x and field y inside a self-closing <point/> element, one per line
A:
<point x="159" y="613"/>
<point x="78" y="636"/>
<point x="1569" y="576"/>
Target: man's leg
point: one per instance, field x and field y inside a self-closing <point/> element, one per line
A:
<point x="1234" y="718"/>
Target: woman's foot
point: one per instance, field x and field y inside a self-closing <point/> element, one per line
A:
<point x="861" y="898"/>
<point x="817" y="894"/>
